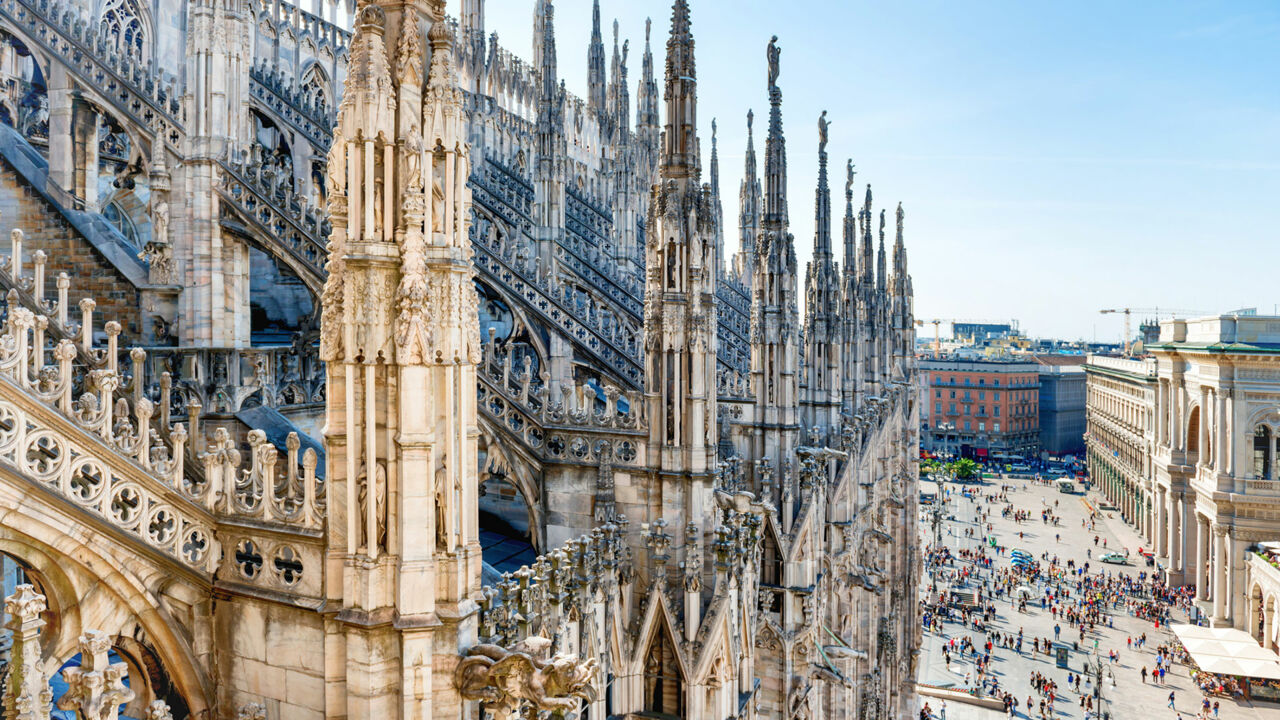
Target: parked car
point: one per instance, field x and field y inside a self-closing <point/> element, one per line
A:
<point x="1114" y="558"/>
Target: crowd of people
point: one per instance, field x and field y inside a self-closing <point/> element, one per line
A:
<point x="1080" y="600"/>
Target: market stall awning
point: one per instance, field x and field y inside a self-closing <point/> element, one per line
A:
<point x="1227" y="651"/>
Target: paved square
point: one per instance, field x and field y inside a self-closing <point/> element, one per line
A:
<point x="1130" y="697"/>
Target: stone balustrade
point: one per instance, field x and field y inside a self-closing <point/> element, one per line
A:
<point x="91" y="423"/>
<point x="141" y="91"/>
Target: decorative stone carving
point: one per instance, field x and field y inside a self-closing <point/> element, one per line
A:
<point x="95" y="689"/>
<point x="26" y="693"/>
<point x="504" y="680"/>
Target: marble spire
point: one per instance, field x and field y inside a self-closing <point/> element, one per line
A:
<point x="748" y="211"/>
<point x="647" y="94"/>
<point x="595" y="64"/>
<point x="680" y="133"/>
<point x="775" y="154"/>
<point x="850" y="224"/>
<point x="822" y="199"/>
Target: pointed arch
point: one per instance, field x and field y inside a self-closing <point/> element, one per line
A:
<point x="126" y="26"/>
<point x="316" y="88"/>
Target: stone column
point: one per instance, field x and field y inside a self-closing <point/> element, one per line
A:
<point x="1161" y="531"/>
<point x="1268" y="625"/>
<point x="1202" y="544"/>
<point x="1219" y="572"/>
<point x="1271" y="457"/>
<point x="1164" y="525"/>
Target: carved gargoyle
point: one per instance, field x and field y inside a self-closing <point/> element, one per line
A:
<point x="502" y="679"/>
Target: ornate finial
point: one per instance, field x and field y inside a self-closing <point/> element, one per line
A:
<point x="881" y="225"/>
<point x="648" y="26"/>
<point x="848" y="183"/>
<point x="751" y="118"/>
<point x="901" y="215"/>
<point x="713" y="135"/>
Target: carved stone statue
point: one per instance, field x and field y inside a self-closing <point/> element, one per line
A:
<point x="822" y="132"/>
<point x="772" y="53"/>
<point x="798" y="699"/>
<point x="441" y="490"/>
<point x="380" y="508"/>
<point x="503" y="680"/>
<point x="413" y="160"/>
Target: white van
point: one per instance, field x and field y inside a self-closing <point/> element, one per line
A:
<point x="1066" y="485"/>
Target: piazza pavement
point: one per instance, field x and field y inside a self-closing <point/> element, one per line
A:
<point x="1130" y="698"/>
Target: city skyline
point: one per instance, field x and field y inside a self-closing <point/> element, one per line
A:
<point x="1042" y="165"/>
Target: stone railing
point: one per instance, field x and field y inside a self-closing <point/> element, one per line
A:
<point x="569" y="429"/>
<point x="226" y="380"/>
<point x="299" y="23"/>
<point x="134" y="89"/>
<point x="616" y="344"/>
<point x="279" y="217"/>
<point x="287" y="102"/>
<point x="92" y="424"/>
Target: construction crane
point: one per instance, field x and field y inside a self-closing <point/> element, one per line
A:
<point x="1128" y="339"/>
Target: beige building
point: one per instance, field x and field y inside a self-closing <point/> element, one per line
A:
<point x="1184" y="441"/>
<point x="302" y="299"/>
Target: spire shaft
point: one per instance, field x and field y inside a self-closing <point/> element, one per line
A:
<point x="680" y="146"/>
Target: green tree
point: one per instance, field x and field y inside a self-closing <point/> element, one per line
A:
<point x="965" y="469"/>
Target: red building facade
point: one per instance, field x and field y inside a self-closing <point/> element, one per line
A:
<point x="983" y="408"/>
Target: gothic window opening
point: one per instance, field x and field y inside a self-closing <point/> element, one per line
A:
<point x="663" y="686"/>
<point x="122" y="222"/>
<point x="122" y="25"/>
<point x="315" y="90"/>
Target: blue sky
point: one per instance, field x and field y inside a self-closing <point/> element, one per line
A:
<point x="1053" y="158"/>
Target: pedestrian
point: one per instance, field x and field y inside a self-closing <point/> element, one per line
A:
<point x="942" y="711"/>
<point x="1144" y="674"/>
<point x="1171" y="698"/>
<point x="1215" y="710"/>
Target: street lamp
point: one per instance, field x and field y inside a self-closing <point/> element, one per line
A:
<point x="1098" y="699"/>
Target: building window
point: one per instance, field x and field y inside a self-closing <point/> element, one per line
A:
<point x="996" y="427"/>
<point x="937" y="407"/>
<point x="997" y="411"/>
<point x="966" y="396"/>
<point x="967" y="381"/>
<point x="1262" y="453"/>
<point x="953" y="394"/>
<point x="982" y="381"/>
<point x="966" y="409"/>
<point x="953" y="408"/>
<point x="967" y="425"/>
<point x="997" y="395"/>
<point x="982" y="427"/>
<point x="937" y="393"/>
<point x="997" y="382"/>
<point x="982" y="395"/>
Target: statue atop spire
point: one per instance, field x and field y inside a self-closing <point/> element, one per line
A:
<point x="822" y="201"/>
<point x="772" y="53"/>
